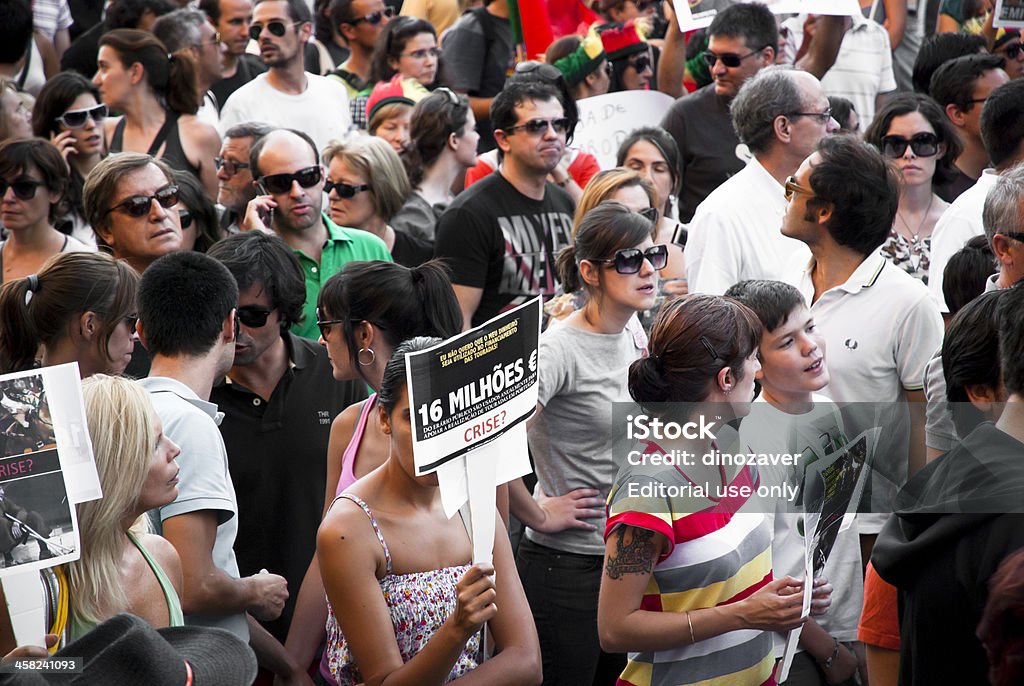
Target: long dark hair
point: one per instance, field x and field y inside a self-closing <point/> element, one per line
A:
<point x="907" y="103"/>
<point x="171" y="76"/>
<point x="608" y="227"/>
<point x="434" y="119"/>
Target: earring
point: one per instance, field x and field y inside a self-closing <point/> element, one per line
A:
<point x="359" y="358"/>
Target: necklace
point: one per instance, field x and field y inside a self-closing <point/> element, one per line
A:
<point x="915" y="234"/>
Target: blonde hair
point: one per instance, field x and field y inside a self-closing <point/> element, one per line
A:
<point x="120" y="418"/>
<point x="601" y="187"/>
<point x="376" y="161"/>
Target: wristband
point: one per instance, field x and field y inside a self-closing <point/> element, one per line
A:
<point x="827" y="664"/>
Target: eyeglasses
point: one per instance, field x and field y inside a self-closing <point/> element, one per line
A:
<point x="374" y="18"/>
<point x="215" y="41"/>
<point x="325" y="324"/>
<point x="423" y="53"/>
<point x="923" y="145"/>
<point x="649" y="213"/>
<point x="629" y="260"/>
<point x="536" y="126"/>
<point x="277" y="28"/>
<point x="792" y="188"/>
<point x="139" y="205"/>
<point x="641" y="63"/>
<point x="253" y="317"/>
<point x="230" y="168"/>
<point x="345" y="190"/>
<point x="1012" y="52"/>
<point x="23" y="190"/>
<point x="730" y="59"/>
<point x="130" y="321"/>
<point x="452" y="96"/>
<point x="185" y="217"/>
<point x="282" y="183"/>
<point x="544" y="70"/>
<point x="1013" y="235"/>
<point x="822" y="117"/>
<point x="76" y="119"/>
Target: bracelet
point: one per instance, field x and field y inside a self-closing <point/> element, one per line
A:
<point x="827" y="664"/>
<point x="690" y="623"/>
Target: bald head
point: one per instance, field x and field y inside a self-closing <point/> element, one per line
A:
<point x="285" y="153"/>
<point x="282" y="142"/>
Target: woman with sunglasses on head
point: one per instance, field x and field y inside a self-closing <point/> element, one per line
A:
<point x="406" y="606"/>
<point x="69" y="113"/>
<point x="364" y="312"/>
<point x="913" y="132"/>
<point x="443" y="145"/>
<point x="156" y="91"/>
<point x="33" y="182"/>
<point x="80" y="307"/>
<point x="583" y="365"/>
<point x="366" y="185"/>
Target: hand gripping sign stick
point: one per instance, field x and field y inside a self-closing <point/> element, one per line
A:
<point x="39" y="537"/>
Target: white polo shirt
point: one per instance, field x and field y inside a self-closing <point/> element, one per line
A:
<point x="958" y="224"/>
<point x="736" y="233"/>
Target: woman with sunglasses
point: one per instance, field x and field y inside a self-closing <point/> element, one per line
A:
<point x="33" y="181"/>
<point x="366" y="185"/>
<point x="634" y="62"/>
<point x="156" y="91"/>
<point x="69" y="113"/>
<point x="912" y="130"/>
<point x="583" y="364"/>
<point x="364" y="312"/>
<point x="443" y="145"/>
<point x="200" y="228"/>
<point x="80" y="307"/>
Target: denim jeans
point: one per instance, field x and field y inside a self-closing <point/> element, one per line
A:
<point x="562" y="589"/>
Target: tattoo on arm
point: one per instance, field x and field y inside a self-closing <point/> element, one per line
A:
<point x="634" y="552"/>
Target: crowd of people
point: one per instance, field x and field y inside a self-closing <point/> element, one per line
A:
<point x="238" y="217"/>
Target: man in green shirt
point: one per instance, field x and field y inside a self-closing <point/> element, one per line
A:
<point x="290" y="180"/>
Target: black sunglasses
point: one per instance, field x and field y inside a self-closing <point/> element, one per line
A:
<point x="277" y="28"/>
<point x="1012" y="52"/>
<point x="535" y="126"/>
<point x="76" y="119"/>
<point x="131" y="320"/>
<point x="544" y="70"/>
<point x="649" y="213"/>
<point x="23" y="190"/>
<point x="374" y="18"/>
<point x="345" y="190"/>
<point x="640" y="63"/>
<point x="730" y="59"/>
<point x="230" y="168"/>
<point x="253" y="317"/>
<point x="923" y="145"/>
<point x="139" y="205"/>
<point x="325" y="324"/>
<point x="629" y="260"/>
<point x="282" y="183"/>
<point x="186" y="218"/>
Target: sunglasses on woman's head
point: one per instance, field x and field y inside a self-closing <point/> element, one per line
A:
<point x="139" y="205"/>
<point x="277" y="28"/>
<point x="923" y="145"/>
<point x="23" y="190"/>
<point x="282" y="183"/>
<point x="345" y="190"/>
<point x="629" y="260"/>
<point x="76" y="119"/>
<point x="252" y="316"/>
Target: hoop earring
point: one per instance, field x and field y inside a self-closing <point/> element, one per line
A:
<point x="359" y="359"/>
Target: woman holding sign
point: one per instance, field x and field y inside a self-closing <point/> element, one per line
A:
<point x="583" y="365"/>
<point x="405" y="604"/>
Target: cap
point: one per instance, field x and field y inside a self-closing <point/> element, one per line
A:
<point x="407" y="91"/>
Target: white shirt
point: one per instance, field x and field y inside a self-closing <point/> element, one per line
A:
<point x="736" y="233"/>
<point x="958" y="224"/>
<point x="863" y="68"/>
<point x="320" y="111"/>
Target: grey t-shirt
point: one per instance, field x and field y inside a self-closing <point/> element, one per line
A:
<point x="581" y="375"/>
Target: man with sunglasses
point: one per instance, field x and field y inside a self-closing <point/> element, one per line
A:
<point x="359" y="22"/>
<point x="278" y="399"/>
<point x="231" y="19"/>
<point x="287" y="95"/>
<point x="780" y="115"/>
<point x="502" y="235"/>
<point x="286" y="170"/>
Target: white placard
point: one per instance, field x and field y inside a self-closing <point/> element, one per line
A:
<point x="606" y="120"/>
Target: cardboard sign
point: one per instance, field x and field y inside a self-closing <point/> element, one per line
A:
<point x="606" y="120"/>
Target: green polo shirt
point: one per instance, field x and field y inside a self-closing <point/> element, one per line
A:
<point x="342" y="246"/>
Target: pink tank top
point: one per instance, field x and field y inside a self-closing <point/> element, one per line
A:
<point x="348" y="458"/>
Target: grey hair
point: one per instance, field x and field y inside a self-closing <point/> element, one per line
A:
<point x="179" y="29"/>
<point x="770" y="93"/>
<point x="249" y="129"/>
<point x="1004" y="204"/>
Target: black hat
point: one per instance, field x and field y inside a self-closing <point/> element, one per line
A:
<point x="125" y="650"/>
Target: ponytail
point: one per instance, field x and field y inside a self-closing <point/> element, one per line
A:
<point x="182" y="90"/>
<point x="569" y="269"/>
<point x="19" y="339"/>
<point x="441" y="312"/>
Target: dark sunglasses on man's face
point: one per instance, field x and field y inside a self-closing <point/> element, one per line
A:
<point x="923" y="145"/>
<point x="629" y="260"/>
<point x="253" y="317"/>
<point x="282" y="183"/>
<point x="277" y="28"/>
<point x="374" y="18"/>
<point x="345" y="190"/>
<point x="230" y="168"/>
<point x="730" y="59"/>
<point x="76" y="119"/>
<point x="537" y="126"/>
<point x="139" y="205"/>
<point x="23" y="190"/>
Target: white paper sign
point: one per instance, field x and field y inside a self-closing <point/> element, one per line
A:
<point x="606" y="120"/>
<point x="1009" y="14"/>
<point x="691" y="19"/>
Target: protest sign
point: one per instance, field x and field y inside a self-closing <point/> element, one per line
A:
<point x="606" y="120"/>
<point x="1008" y="14"/>
<point x="699" y="15"/>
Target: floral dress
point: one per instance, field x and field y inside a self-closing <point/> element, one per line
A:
<point x="914" y="256"/>
<point x="418" y="602"/>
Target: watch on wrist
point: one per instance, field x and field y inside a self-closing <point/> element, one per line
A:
<point x="827" y="663"/>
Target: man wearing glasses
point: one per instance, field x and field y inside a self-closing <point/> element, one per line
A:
<point x="780" y="115"/>
<point x="502" y="235"/>
<point x="286" y="169"/>
<point x="235" y="187"/>
<point x="278" y="401"/>
<point x="359" y="22"/>
<point x="231" y="19"/>
<point x="287" y="95"/>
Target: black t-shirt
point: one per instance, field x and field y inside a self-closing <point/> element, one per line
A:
<point x="411" y="251"/>
<point x="495" y="238"/>
<point x="249" y="67"/>
<point x="277" y="455"/>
